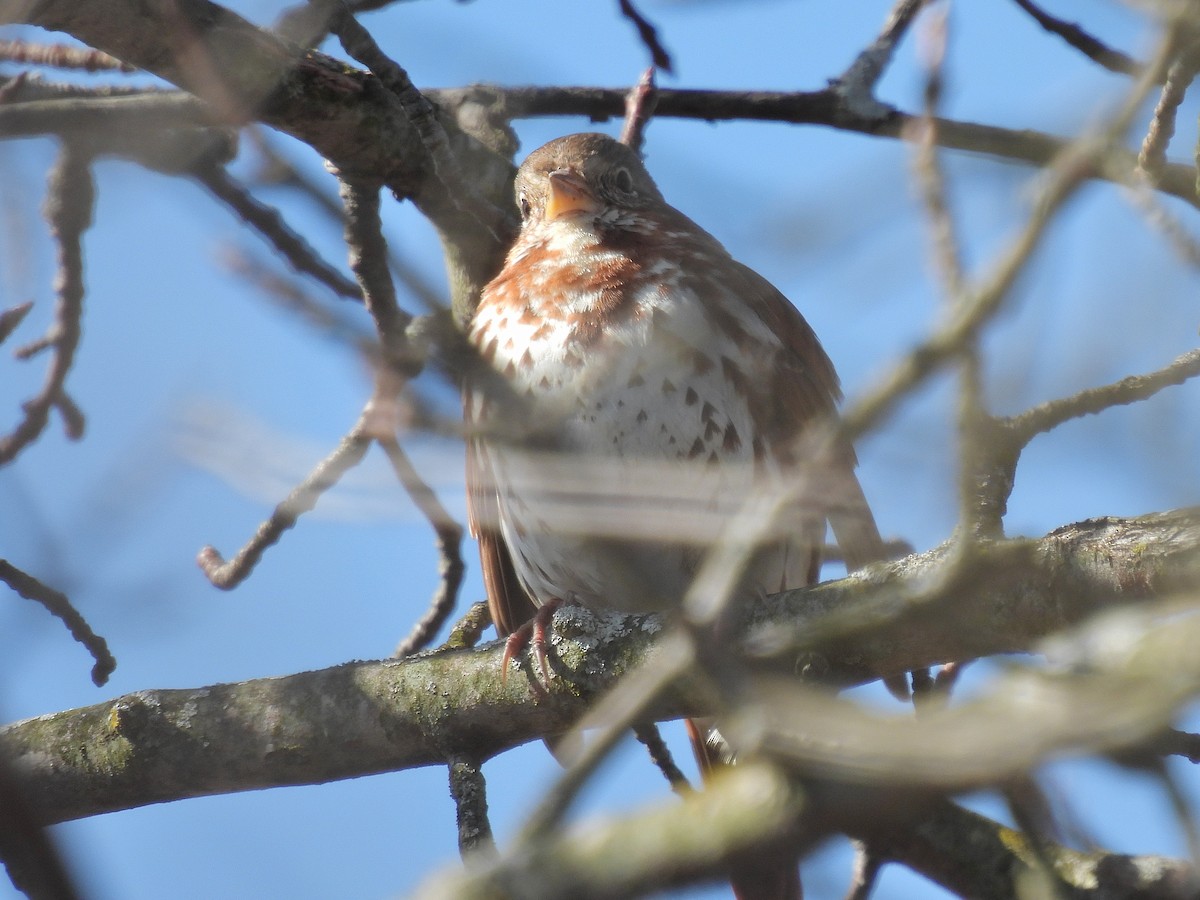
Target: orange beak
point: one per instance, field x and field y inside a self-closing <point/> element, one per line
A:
<point x="569" y="193"/>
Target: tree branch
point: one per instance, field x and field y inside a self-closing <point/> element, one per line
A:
<point x="369" y="717"/>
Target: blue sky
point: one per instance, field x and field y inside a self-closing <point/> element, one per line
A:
<point x="205" y="404"/>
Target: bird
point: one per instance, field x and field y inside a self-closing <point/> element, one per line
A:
<point x="651" y="385"/>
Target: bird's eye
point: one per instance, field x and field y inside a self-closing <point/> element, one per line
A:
<point x="623" y="180"/>
<point x="523" y="202"/>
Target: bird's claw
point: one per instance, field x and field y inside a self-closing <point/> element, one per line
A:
<point x="532" y="634"/>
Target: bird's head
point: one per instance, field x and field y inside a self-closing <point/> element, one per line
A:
<point x="583" y="177"/>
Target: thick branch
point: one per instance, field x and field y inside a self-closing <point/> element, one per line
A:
<point x="364" y="718"/>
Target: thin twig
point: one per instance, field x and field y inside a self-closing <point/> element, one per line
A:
<point x="102" y="117"/>
<point x="422" y="115"/>
<point x="829" y="107"/>
<point x="368" y="260"/>
<point x="1046" y="416"/>
<point x="268" y="222"/>
<point x="1034" y="819"/>
<point x="57" y="604"/>
<point x="60" y="56"/>
<point x="926" y="165"/>
<point x="469" y="790"/>
<point x="857" y="84"/>
<point x="228" y="575"/>
<point x="639" y="108"/>
<point x="1091" y="47"/>
<point x="11" y="319"/>
<point x="31" y="859"/>
<point x="866" y="872"/>
<point x="660" y="754"/>
<point x="1177" y="743"/>
<point x="648" y="34"/>
<point x="1153" y="154"/>
<point x="278" y="170"/>
<point x="469" y="629"/>
<point x="1077" y="162"/>
<point x="449" y="544"/>
<point x="291" y="295"/>
<point x="69" y="206"/>
<point x="615" y="714"/>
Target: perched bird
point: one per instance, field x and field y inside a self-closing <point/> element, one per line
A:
<point x="664" y="383"/>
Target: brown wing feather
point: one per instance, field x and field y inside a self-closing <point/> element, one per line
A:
<point x="806" y="389"/>
<point x="508" y="602"/>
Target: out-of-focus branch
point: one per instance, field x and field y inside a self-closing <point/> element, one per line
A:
<point x="368" y="260"/>
<point x="1025" y="426"/>
<point x="1153" y="154"/>
<point x="11" y="319"/>
<point x="648" y="35"/>
<point x="69" y="211"/>
<point x="58" y="604"/>
<point x="26" y="850"/>
<point x="469" y="791"/>
<point x="278" y="170"/>
<point x="422" y="115"/>
<point x="639" y="108"/>
<point x="1091" y="47"/>
<point x="228" y="575"/>
<point x="363" y="718"/>
<point x="857" y="84"/>
<point x="268" y="222"/>
<point x="449" y="544"/>
<point x="651" y="738"/>
<point x="825" y="107"/>
<point x="973" y="856"/>
<point x="60" y="56"/>
<point x="650" y="850"/>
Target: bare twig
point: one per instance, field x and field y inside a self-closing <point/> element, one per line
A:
<point x="11" y="319"/>
<point x="59" y="605"/>
<point x="926" y="166"/>
<point x="60" y="56"/>
<point x="469" y="790"/>
<point x="866" y="872"/>
<point x="1153" y="154"/>
<point x="278" y="170"/>
<point x="467" y="630"/>
<point x="368" y="260"/>
<point x="69" y="212"/>
<point x="1093" y="48"/>
<point x="857" y="84"/>
<point x="1034" y="818"/>
<point x="228" y="575"/>
<point x="449" y="543"/>
<point x="648" y="34"/>
<point x="27" y="850"/>
<point x="1042" y="418"/>
<point x="618" y="712"/>
<point x="829" y="107"/>
<point x="1173" y="742"/>
<point x="639" y="107"/>
<point x="100" y="114"/>
<point x="1077" y="162"/>
<point x="422" y="115"/>
<point x="651" y="738"/>
<point x="984" y="301"/>
<point x="293" y="296"/>
<point x="268" y="222"/>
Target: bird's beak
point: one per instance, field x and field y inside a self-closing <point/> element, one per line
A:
<point x="569" y="193"/>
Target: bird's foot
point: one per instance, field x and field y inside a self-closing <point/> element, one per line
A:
<point x="532" y="634"/>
